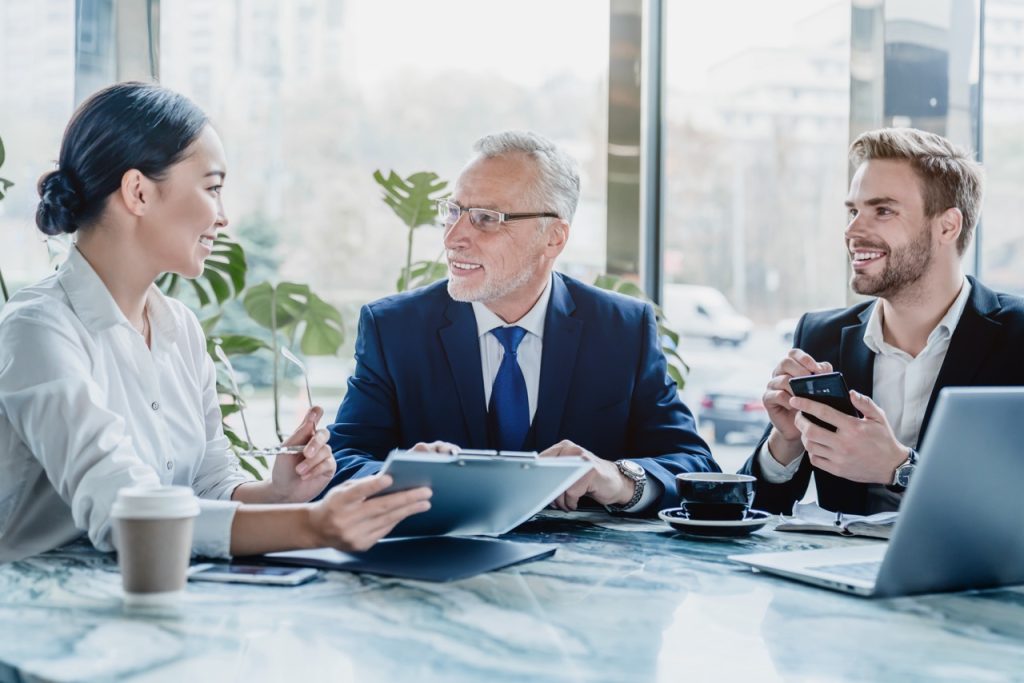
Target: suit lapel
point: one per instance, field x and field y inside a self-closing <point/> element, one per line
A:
<point x="462" y="347"/>
<point x="562" y="334"/>
<point x="969" y="345"/>
<point x="856" y="360"/>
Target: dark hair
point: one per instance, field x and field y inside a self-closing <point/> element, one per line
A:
<point x="126" y="126"/>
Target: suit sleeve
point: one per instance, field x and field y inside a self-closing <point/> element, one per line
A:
<point x="779" y="498"/>
<point x="366" y="428"/>
<point x="664" y="435"/>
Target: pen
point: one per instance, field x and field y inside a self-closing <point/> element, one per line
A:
<point x="271" y="452"/>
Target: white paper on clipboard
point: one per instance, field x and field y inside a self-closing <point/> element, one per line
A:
<point x="479" y="492"/>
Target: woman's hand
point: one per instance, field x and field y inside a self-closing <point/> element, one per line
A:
<point x="299" y="477"/>
<point x="350" y="519"/>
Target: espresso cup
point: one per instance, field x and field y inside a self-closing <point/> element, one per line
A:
<point x="153" y="537"/>
<point x="715" y="495"/>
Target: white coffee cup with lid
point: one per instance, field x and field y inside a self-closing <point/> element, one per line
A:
<point x="153" y="537"/>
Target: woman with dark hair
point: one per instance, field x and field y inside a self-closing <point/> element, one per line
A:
<point x="106" y="383"/>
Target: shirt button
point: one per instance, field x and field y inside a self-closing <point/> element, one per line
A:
<point x="170" y="465"/>
<point x="155" y="405"/>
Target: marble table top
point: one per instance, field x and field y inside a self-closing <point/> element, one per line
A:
<point x="621" y="600"/>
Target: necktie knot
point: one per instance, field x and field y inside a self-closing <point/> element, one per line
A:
<point x="509" y="338"/>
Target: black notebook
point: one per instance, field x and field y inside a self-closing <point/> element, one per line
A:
<point x="428" y="558"/>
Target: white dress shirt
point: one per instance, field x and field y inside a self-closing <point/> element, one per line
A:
<point x="902" y="386"/>
<point x="529" y="354"/>
<point x="87" y="408"/>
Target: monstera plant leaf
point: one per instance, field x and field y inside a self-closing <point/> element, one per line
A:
<point x="413" y="199"/>
<point x="223" y="278"/>
<point x="5" y="184"/>
<point x="295" y="310"/>
<point x="421" y="273"/>
<point x="677" y="367"/>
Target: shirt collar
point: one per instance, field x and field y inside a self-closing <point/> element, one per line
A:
<point x="532" y="322"/>
<point x="875" y="340"/>
<point x="95" y="306"/>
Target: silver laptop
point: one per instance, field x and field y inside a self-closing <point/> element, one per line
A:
<point x="961" y="523"/>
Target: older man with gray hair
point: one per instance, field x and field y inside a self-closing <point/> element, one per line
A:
<point x="511" y="355"/>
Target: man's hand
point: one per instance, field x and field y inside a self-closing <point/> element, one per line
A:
<point x="784" y="441"/>
<point x="861" y="449"/>
<point x="436" y="447"/>
<point x="604" y="483"/>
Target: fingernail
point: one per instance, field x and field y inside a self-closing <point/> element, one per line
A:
<point x="301" y="469"/>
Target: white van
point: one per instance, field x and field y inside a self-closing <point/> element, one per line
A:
<point x="696" y="311"/>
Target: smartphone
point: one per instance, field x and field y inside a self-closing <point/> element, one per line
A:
<point x="252" y="573"/>
<point x="829" y="389"/>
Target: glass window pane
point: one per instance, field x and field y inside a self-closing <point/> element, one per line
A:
<point x="756" y="125"/>
<point x="37" y="73"/>
<point x="1002" y="235"/>
<point x="311" y="97"/>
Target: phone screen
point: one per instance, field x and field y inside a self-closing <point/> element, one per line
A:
<point x="250" y="573"/>
<point x="829" y="389"/>
<point x="251" y="570"/>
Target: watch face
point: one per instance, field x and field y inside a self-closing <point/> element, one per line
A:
<point x="631" y="467"/>
<point x="903" y="475"/>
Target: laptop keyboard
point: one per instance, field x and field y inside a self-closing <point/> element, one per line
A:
<point x="865" y="571"/>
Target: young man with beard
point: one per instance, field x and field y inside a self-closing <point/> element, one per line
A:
<point x="508" y="354"/>
<point x="913" y="203"/>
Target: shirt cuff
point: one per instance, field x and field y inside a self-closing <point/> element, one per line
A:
<point x="772" y="471"/>
<point x="211" y="536"/>
<point x="652" y="492"/>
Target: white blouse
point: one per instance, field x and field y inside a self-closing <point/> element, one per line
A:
<point x="87" y="408"/>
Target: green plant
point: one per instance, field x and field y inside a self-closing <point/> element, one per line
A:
<point x="4" y="186"/>
<point x="414" y="201"/>
<point x="677" y="367"/>
<point x="288" y="311"/>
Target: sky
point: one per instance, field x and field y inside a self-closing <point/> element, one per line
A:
<point x="521" y="40"/>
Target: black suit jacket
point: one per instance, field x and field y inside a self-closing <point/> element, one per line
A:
<point x="987" y="349"/>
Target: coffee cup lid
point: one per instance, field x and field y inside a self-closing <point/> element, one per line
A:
<point x="155" y="502"/>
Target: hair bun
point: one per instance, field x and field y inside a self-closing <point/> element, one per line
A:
<point x="59" y="203"/>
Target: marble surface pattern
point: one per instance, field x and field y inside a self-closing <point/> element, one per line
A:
<point x="619" y="601"/>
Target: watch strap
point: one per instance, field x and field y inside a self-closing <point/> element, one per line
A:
<point x="640" y="483"/>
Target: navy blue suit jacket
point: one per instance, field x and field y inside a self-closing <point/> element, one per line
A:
<point x="985" y="350"/>
<point x="603" y="383"/>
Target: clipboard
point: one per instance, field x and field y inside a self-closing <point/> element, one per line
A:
<point x="478" y="493"/>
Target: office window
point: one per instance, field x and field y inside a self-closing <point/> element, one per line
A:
<point x="1002" y="233"/>
<point x="310" y="98"/>
<point x="37" y="73"/>
<point x="756" y="127"/>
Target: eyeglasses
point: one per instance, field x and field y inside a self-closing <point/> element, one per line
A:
<point x="486" y="220"/>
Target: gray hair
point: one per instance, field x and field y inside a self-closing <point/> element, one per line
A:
<point x="558" y="178"/>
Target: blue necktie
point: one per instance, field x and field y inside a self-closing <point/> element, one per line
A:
<point x="509" y="411"/>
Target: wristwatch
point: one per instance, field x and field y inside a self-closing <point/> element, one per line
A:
<point x="901" y="479"/>
<point x="638" y="475"/>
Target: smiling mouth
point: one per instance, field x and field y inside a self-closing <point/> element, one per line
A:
<point x="462" y="267"/>
<point x="862" y="258"/>
<point x="206" y="241"/>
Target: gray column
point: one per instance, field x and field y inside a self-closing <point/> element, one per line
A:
<point x="634" y="142"/>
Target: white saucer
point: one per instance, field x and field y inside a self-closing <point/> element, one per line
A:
<point x="715" y="528"/>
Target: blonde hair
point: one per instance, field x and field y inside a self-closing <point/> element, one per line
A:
<point x="950" y="177"/>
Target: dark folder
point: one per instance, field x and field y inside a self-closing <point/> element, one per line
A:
<point x="428" y="558"/>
